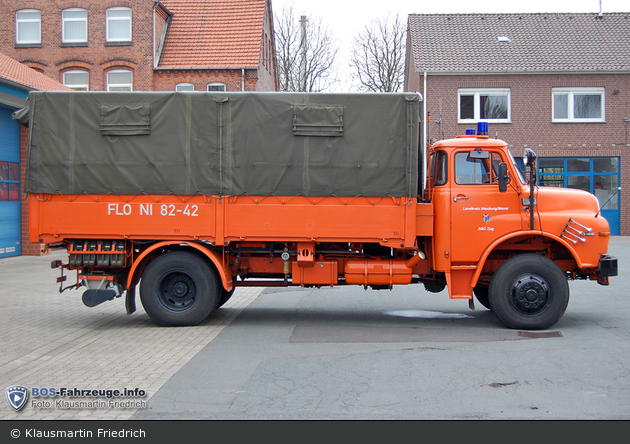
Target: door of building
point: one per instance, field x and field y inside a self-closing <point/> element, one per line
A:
<point x="10" y="208"/>
<point x="597" y="175"/>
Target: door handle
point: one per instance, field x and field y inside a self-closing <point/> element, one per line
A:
<point x="460" y="197"/>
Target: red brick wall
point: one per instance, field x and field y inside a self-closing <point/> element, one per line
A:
<point x="267" y="73"/>
<point x="166" y="80"/>
<point x="28" y="248"/>
<point x="531" y="118"/>
<point x="54" y="57"/>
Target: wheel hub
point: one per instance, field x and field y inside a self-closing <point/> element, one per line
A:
<point x="179" y="291"/>
<point x="530" y="293"/>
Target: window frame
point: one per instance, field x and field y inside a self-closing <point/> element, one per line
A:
<point x="108" y="19"/>
<point x="75" y="71"/>
<point x="11" y="185"/>
<point x="483" y="171"/>
<point x="38" y="41"/>
<point x="215" y="84"/>
<point x="184" y="84"/>
<point x="477" y="93"/>
<point x="571" y="91"/>
<point x="65" y="20"/>
<point x="118" y="70"/>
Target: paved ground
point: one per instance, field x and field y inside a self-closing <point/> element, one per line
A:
<point x="340" y="353"/>
<point x="53" y="340"/>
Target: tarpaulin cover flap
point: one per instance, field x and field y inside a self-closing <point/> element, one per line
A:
<point x="21" y="116"/>
<point x="223" y="143"/>
<point x="126" y="120"/>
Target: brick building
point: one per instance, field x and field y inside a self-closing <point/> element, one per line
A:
<point x="556" y="83"/>
<point x="144" y="45"/>
<point x="16" y="80"/>
<point x="120" y="45"/>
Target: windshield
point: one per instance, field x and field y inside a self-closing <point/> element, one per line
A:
<point x="517" y="167"/>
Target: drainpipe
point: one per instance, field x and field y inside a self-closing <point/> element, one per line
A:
<point x="424" y="134"/>
<point x="242" y="79"/>
<point x="154" y="6"/>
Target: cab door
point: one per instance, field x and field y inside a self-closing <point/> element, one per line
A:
<point x="480" y="213"/>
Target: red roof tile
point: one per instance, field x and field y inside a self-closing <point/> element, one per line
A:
<point x="214" y="33"/>
<point x="16" y="72"/>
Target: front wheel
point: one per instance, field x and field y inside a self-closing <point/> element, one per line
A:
<point x="529" y="292"/>
<point x="481" y="293"/>
<point x="179" y="289"/>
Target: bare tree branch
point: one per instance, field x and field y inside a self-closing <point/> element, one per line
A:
<point x="306" y="53"/>
<point x="378" y="55"/>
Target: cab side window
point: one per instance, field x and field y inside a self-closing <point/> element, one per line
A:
<point x="475" y="171"/>
<point x="439" y="168"/>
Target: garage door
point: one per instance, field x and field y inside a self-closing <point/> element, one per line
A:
<point x="10" y="220"/>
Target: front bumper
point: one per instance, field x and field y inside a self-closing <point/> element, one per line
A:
<point x="608" y="266"/>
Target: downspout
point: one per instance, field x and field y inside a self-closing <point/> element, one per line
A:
<point x="424" y="134"/>
<point x="242" y="79"/>
<point x="154" y="8"/>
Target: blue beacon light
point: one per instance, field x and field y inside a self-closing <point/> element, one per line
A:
<point x="482" y="128"/>
<point x="470" y="132"/>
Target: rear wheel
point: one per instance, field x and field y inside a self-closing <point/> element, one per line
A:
<point x="179" y="289"/>
<point x="529" y="292"/>
<point x="225" y="296"/>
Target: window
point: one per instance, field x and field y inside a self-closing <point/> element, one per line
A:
<point x="74" y="25"/>
<point x="597" y="175"/>
<point x="490" y="105"/>
<point x="583" y="105"/>
<point x="77" y="80"/>
<point x="184" y="87"/>
<point x="216" y="87"/>
<point x="9" y="181"/>
<point x="475" y="171"/>
<point x="120" y="80"/>
<point x="439" y="168"/>
<point x="28" y="24"/>
<point x="118" y="25"/>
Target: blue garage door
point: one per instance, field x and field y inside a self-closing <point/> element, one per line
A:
<point x="597" y="175"/>
<point x="10" y="220"/>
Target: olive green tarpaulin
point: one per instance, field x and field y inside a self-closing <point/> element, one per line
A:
<point x="188" y="143"/>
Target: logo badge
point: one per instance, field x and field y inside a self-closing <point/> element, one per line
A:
<point x="486" y="218"/>
<point x="17" y="396"/>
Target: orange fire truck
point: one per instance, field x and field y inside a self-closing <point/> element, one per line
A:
<point x="186" y="196"/>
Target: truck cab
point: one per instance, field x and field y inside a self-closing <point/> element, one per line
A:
<point x="507" y="241"/>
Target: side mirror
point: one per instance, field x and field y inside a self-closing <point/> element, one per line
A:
<point x="503" y="177"/>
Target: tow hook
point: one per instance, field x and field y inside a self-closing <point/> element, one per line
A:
<point x="61" y="279"/>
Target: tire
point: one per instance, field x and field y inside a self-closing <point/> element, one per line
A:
<point x="179" y="289"/>
<point x="481" y="294"/>
<point x="529" y="292"/>
<point x="434" y="286"/>
<point x="225" y="296"/>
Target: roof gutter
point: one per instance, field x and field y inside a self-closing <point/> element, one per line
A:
<point x="195" y="68"/>
<point x="17" y="84"/>
<point x="452" y="72"/>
